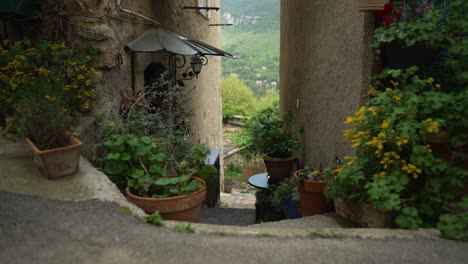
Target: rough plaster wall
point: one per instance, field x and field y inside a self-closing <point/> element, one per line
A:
<point x="325" y="65"/>
<point x="206" y="99"/>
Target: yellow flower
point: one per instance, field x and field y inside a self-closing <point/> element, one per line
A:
<point x="430" y="79"/>
<point x="5" y="42"/>
<point x="395" y="84"/>
<point x="380" y="174"/>
<point x="350" y="120"/>
<point x="337" y="170"/>
<point x="385" y="124"/>
<point x="401" y="141"/>
<point x="437" y="86"/>
<point x="372" y="90"/>
<point x="428" y="148"/>
<point x="88" y="82"/>
<point x="41" y="70"/>
<point x="431" y="126"/>
<point x="373" y="110"/>
<point x="4" y="52"/>
<point x="412" y="169"/>
<point x="80" y="77"/>
<point x="397" y="97"/>
<point x="62" y="45"/>
<point x="50" y="98"/>
<point x="389" y="158"/>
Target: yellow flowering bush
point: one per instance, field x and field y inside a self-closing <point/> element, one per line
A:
<point x="24" y="62"/>
<point x="394" y="167"/>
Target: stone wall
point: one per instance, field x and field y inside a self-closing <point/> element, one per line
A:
<point x="100" y="24"/>
<point x="325" y="65"/>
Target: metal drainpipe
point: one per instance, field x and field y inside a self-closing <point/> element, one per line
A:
<point x="119" y="6"/>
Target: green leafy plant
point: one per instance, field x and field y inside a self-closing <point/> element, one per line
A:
<point x="286" y="189"/>
<point x="148" y="167"/>
<point x="454" y="225"/>
<point x="267" y="134"/>
<point x="183" y="228"/>
<point x="154" y="219"/>
<point x="409" y="23"/>
<point x="395" y="168"/>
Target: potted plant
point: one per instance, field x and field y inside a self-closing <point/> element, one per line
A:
<point x="155" y="180"/>
<point x="285" y="196"/>
<point x="228" y="184"/>
<point x="395" y="169"/>
<point x="45" y="86"/>
<point x="371" y="5"/>
<point x="274" y="138"/>
<point x="415" y="33"/>
<point x="311" y="186"/>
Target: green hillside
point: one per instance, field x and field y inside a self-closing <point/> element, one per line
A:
<point x="255" y="45"/>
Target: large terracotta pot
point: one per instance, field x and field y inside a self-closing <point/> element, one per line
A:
<point x="180" y="208"/>
<point x="278" y="168"/>
<point x="57" y="162"/>
<point x="441" y="148"/>
<point x="363" y="214"/>
<point x="313" y="200"/>
<point x="371" y="5"/>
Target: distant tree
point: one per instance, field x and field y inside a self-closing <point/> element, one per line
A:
<point x="271" y="97"/>
<point x="238" y="99"/>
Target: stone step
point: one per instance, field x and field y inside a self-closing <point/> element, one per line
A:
<point x="227" y="216"/>
<point x="329" y="220"/>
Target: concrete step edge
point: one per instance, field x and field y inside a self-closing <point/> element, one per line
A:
<point x="333" y="233"/>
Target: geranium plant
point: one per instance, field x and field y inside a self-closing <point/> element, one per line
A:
<point x="425" y="23"/>
<point x="395" y="168"/>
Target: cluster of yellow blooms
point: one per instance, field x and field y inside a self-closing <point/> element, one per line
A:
<point x="411" y="169"/>
<point x="431" y="126"/>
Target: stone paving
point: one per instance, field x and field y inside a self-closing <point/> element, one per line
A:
<point x="237" y="199"/>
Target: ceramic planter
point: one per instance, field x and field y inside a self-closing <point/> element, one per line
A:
<point x="397" y="57"/>
<point x="313" y="200"/>
<point x="363" y="214"/>
<point x="291" y="208"/>
<point x="58" y="162"/>
<point x="371" y="5"/>
<point x="179" y="208"/>
<point x="278" y="168"/>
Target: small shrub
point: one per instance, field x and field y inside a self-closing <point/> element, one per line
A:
<point x="184" y="228"/>
<point x="154" y="219"/>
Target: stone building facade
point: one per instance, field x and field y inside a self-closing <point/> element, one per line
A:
<point x="325" y="65"/>
<point x="110" y="25"/>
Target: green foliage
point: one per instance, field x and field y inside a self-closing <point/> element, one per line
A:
<point x="238" y="99"/>
<point x="266" y="133"/>
<point x="286" y="189"/>
<point x="154" y="219"/>
<point x="184" y="228"/>
<point x="44" y="116"/>
<point x="148" y="167"/>
<point x="271" y="98"/>
<point x="455" y="225"/>
<point x="409" y="219"/>
<point x="24" y="63"/>
<point x="264" y="235"/>
<point x="395" y="167"/>
<point x="426" y="31"/>
<point x="255" y="45"/>
<point x="126" y="210"/>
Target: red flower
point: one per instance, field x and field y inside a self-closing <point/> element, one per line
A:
<point x="398" y="15"/>
<point x="388" y="21"/>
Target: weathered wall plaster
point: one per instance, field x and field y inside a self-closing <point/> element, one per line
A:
<point x="325" y="65"/>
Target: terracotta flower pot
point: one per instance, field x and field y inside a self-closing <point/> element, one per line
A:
<point x="57" y="162"/>
<point x="371" y="5"/>
<point x="278" y="168"/>
<point x="227" y="188"/>
<point x="180" y="208"/>
<point x="313" y="200"/>
<point x="363" y="214"/>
